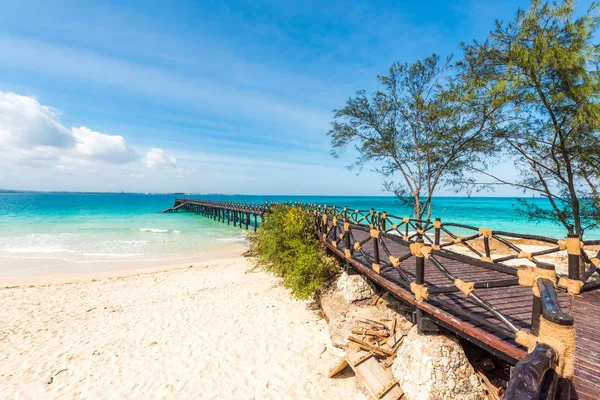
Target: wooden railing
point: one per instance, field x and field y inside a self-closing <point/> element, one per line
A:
<point x="377" y="243"/>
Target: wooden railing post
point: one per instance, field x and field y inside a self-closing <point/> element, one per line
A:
<point x="347" y="238"/>
<point x="536" y="312"/>
<point x="420" y="267"/>
<point x="334" y="228"/>
<point x="574" y="251"/>
<point x="538" y="309"/>
<point x="376" y="261"/>
<point x="437" y="233"/>
<point x="528" y="374"/>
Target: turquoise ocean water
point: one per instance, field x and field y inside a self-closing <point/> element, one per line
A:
<point x="48" y="233"/>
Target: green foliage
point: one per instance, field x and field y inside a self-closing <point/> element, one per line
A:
<point x="286" y="245"/>
<point x="545" y="64"/>
<point x="425" y="127"/>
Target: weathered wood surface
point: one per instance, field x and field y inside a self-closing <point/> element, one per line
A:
<point x="586" y="311"/>
<point x="379" y="380"/>
<point x="515" y="303"/>
<point x="480" y="326"/>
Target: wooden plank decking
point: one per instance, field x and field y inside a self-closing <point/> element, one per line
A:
<point x="516" y="302"/>
<point x="586" y="311"/>
<point x="481" y="326"/>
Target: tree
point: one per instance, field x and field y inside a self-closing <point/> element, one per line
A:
<point x="427" y="126"/>
<point x="547" y="67"/>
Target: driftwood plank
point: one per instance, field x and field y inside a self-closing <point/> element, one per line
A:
<point x="370" y="346"/>
<point x="379" y="381"/>
<point x="338" y="368"/>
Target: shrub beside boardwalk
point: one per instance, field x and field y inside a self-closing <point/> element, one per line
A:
<point x="286" y="245"/>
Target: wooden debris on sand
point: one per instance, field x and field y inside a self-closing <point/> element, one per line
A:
<point x="379" y="380"/>
<point x="370" y="353"/>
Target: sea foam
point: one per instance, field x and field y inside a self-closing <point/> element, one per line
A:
<point x="156" y="230"/>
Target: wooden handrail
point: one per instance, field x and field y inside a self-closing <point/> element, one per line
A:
<point x="347" y="232"/>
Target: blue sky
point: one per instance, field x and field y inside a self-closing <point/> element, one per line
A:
<point x="202" y="96"/>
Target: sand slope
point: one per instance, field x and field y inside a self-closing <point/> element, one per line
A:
<point x="202" y="332"/>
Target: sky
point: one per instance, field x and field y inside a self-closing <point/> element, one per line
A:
<point x="203" y="96"/>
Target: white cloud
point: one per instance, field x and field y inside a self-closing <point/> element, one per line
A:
<point x="32" y="134"/>
<point x="25" y="123"/>
<point x="100" y="146"/>
<point x="157" y="158"/>
<point x="183" y="173"/>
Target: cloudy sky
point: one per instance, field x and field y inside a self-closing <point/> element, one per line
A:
<point x="202" y="96"/>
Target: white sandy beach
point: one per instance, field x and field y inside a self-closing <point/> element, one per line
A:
<point x="210" y="331"/>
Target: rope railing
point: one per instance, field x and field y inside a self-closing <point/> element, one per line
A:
<point x="383" y="243"/>
<point x="550" y="325"/>
<point x="479" y="244"/>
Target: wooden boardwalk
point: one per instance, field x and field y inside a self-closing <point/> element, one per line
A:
<point x="516" y="303"/>
<point x="586" y="311"/>
<point x="475" y="295"/>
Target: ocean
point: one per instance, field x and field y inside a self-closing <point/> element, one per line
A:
<point x="55" y="233"/>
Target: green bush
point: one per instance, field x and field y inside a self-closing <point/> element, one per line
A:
<point x="287" y="246"/>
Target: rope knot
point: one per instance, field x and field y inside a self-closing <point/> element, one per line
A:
<point x="464" y="287"/>
<point x="420" y="291"/>
<point x="485" y="232"/>
<point x="415" y="249"/>
<point x="573" y="286"/>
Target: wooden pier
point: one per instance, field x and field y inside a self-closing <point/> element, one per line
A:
<point x="547" y="323"/>
<point x="238" y="214"/>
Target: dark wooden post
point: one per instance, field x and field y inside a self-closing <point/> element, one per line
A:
<point x="437" y="224"/>
<point x="347" y="238"/>
<point x="528" y="374"/>
<point x="486" y="245"/>
<point x="376" y="261"/>
<point x="535" y="315"/>
<point x="255" y="222"/>
<point x="334" y="228"/>
<point x="420" y="267"/>
<point x="538" y="309"/>
<point x="574" y="251"/>
<point x="247" y="220"/>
